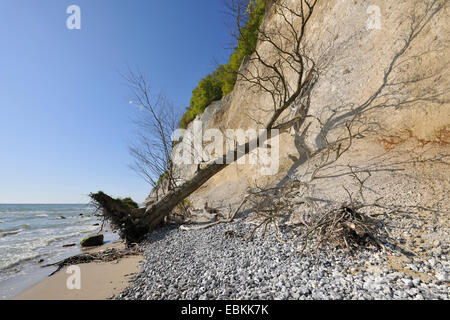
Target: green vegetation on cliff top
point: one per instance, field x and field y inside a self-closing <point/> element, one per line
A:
<point x="221" y="82"/>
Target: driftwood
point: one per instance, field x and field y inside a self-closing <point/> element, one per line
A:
<point x="209" y="225"/>
<point x="107" y="255"/>
<point x="346" y="226"/>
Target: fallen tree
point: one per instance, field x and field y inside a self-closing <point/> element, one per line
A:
<point x="269" y="75"/>
<point x="271" y="78"/>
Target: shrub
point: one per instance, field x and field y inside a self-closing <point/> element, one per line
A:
<point x="221" y="82"/>
<point x="208" y="90"/>
<point x="162" y="177"/>
<point x="128" y="202"/>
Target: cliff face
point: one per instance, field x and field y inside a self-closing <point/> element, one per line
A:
<point x="386" y="60"/>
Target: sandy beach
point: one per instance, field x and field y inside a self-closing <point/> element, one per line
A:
<point x="99" y="281"/>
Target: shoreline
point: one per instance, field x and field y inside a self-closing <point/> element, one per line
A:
<point x="98" y="280"/>
<point x="35" y="236"/>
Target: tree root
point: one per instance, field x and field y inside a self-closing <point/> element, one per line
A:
<point x="127" y="220"/>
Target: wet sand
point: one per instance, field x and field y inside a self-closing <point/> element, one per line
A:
<point x="98" y="280"/>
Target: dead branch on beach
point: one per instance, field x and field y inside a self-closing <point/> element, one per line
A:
<point x="230" y="218"/>
<point x="351" y="225"/>
<point x="345" y="226"/>
<point x="107" y="255"/>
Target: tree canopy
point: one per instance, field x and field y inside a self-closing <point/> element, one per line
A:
<point x="221" y="82"/>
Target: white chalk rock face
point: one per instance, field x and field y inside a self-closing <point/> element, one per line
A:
<point x="369" y="63"/>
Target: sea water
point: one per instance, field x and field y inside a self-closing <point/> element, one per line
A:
<point x="32" y="236"/>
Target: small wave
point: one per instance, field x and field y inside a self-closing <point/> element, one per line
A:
<point x="43" y="215"/>
<point x="15" y="229"/>
<point x="52" y="239"/>
<point x="2" y="221"/>
<point x="28" y="245"/>
<point x="18" y="260"/>
<point x="9" y="233"/>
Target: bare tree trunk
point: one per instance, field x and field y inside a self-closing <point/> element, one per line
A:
<point x="156" y="212"/>
<point x="282" y="94"/>
<point x="134" y="224"/>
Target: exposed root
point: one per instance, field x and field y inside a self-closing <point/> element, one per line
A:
<point x="127" y="220"/>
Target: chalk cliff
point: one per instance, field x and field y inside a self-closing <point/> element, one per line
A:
<point x="387" y="61"/>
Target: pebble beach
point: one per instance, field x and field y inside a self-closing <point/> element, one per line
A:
<point x="217" y="263"/>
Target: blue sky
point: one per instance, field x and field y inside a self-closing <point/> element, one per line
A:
<point x="65" y="121"/>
